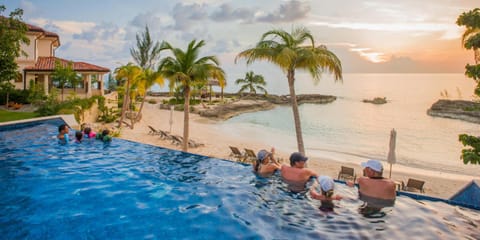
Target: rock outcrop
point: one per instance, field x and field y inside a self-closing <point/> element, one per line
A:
<point x="377" y="100"/>
<point x="456" y="109"/>
<point x="226" y="111"/>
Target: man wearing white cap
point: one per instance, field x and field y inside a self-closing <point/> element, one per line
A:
<point x="373" y="187"/>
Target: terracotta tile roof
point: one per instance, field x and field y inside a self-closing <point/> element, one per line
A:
<point x="48" y="64"/>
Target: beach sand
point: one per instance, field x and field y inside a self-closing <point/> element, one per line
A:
<point x="203" y="130"/>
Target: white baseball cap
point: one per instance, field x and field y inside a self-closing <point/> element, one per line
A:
<point x="326" y="183"/>
<point x="375" y="165"/>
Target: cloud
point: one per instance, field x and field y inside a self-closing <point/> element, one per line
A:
<point x="291" y="11"/>
<point x="28" y="7"/>
<point x="103" y="32"/>
<point x="185" y="15"/>
<point x="63" y="27"/>
<point x="226" y="13"/>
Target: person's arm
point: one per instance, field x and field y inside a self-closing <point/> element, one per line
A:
<point x="65" y="137"/>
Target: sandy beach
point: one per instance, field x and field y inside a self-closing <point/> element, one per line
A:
<point x="203" y="130"/>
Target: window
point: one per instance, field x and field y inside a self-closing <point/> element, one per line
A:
<point x="19" y="78"/>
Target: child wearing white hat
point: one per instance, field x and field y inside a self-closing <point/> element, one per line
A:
<point x="326" y="193"/>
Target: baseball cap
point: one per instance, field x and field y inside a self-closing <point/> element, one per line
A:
<point x="297" y="157"/>
<point x="262" y="154"/>
<point x="326" y="183"/>
<point x="375" y="165"/>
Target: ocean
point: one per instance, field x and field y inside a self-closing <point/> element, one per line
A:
<point x="350" y="130"/>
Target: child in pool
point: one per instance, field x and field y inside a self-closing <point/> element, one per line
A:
<point x="326" y="193"/>
<point x="78" y="137"/>
<point x="89" y="133"/>
<point x="63" y="131"/>
<point x="104" y="136"/>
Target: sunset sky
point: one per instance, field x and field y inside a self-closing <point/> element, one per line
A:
<point x="373" y="36"/>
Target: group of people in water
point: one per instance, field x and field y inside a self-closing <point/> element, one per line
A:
<point x="87" y="132"/>
<point x="374" y="190"/>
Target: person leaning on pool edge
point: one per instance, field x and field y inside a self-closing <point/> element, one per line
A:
<point x="375" y="190"/>
<point x="297" y="175"/>
<point x="265" y="164"/>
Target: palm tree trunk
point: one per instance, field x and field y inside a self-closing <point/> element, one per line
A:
<point x="221" y="94"/>
<point x="141" y="108"/>
<point x="296" y="114"/>
<point x="186" y="113"/>
<point x="132" y="118"/>
<point x="125" y="104"/>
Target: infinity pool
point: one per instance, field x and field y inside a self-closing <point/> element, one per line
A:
<point x="127" y="190"/>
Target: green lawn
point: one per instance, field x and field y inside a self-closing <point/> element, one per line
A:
<point x="6" y="116"/>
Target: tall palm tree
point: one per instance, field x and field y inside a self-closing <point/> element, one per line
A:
<point x="253" y="82"/>
<point x="287" y="51"/>
<point x="186" y="69"/>
<point x="129" y="73"/>
<point x="146" y="55"/>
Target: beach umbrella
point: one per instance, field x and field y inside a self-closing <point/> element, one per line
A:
<point x="391" y="159"/>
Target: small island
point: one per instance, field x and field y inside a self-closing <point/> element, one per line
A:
<point x="377" y="100"/>
<point x="456" y="109"/>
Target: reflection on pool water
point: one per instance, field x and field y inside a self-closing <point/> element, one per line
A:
<point x="127" y="190"/>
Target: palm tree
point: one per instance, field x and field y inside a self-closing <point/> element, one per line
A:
<point x="130" y="74"/>
<point x="471" y="36"/>
<point x="185" y="69"/>
<point x="147" y="80"/>
<point x="286" y="51"/>
<point x="253" y="82"/>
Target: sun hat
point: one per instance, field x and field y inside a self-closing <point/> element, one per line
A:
<point x="297" y="157"/>
<point x="326" y="183"/>
<point x="375" y="165"/>
<point x="262" y="154"/>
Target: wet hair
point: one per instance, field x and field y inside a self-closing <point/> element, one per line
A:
<point x="87" y="130"/>
<point x="78" y="135"/>
<point x="328" y="193"/>
<point x="105" y="132"/>
<point x="62" y="127"/>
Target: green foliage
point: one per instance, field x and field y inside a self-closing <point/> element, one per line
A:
<point x="147" y="52"/>
<point x="472" y="154"/>
<point x="473" y="71"/>
<point x="36" y="93"/>
<point x="152" y="101"/>
<point x="64" y="76"/>
<point x="175" y="101"/>
<point x="12" y="35"/>
<point x="75" y="106"/>
<point x="471" y="40"/>
<point x="15" y="95"/>
<point x="6" y="116"/>
<point x="107" y="114"/>
<point x="252" y="82"/>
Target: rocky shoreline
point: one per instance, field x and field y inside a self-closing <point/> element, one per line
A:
<point x="456" y="109"/>
<point x="252" y="103"/>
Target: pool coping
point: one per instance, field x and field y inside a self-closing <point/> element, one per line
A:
<point x="69" y="119"/>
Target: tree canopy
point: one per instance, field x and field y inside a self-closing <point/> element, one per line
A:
<point x="12" y="36"/>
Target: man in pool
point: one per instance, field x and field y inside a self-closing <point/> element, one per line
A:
<point x="377" y="192"/>
<point x="297" y="175"/>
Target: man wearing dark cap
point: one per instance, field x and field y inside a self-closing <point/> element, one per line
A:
<point x="297" y="175"/>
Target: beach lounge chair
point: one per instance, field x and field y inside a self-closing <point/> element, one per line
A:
<point x="250" y="155"/>
<point x="236" y="154"/>
<point x="177" y="140"/>
<point x="194" y="144"/>
<point x="414" y="185"/>
<point x="153" y="131"/>
<point x="164" y="134"/>
<point x="347" y="173"/>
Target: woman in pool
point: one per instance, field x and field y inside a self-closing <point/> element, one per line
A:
<point x="325" y="196"/>
<point x="265" y="164"/>
<point x="63" y="131"/>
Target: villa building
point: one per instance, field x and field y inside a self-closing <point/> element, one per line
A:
<point x="39" y="64"/>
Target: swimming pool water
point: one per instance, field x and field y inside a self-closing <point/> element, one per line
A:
<point x="127" y="190"/>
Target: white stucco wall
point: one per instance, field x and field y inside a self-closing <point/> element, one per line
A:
<point x="44" y="48"/>
<point x="29" y="49"/>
